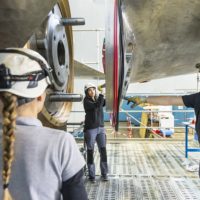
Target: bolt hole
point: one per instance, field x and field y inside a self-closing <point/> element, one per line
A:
<point x="61" y="53"/>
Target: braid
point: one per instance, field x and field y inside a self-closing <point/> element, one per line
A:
<point x="9" y="124"/>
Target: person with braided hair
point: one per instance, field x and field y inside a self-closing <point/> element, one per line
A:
<point x="39" y="163"/>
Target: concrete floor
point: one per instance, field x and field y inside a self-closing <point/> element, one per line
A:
<point x="146" y="169"/>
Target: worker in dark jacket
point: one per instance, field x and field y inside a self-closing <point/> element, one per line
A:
<point x="94" y="131"/>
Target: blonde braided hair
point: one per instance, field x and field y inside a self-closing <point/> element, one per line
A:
<point x="9" y="123"/>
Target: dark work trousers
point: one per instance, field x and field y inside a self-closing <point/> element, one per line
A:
<point x="91" y="136"/>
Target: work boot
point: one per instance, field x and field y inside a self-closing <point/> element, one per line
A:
<point x="92" y="180"/>
<point x="104" y="178"/>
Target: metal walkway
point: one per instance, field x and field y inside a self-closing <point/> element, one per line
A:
<point x="146" y="170"/>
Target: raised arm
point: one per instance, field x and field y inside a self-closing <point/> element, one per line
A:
<point x="90" y="105"/>
<point x="156" y="100"/>
<point x="165" y="100"/>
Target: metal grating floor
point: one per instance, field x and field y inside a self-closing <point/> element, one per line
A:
<point x="146" y="170"/>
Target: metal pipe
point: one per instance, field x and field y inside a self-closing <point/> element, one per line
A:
<point x="87" y="62"/>
<point x="72" y="21"/>
<point x="75" y="123"/>
<point x="146" y="111"/>
<point x="88" y="30"/>
<point x="158" y="111"/>
<point x="59" y="97"/>
<point x="149" y="127"/>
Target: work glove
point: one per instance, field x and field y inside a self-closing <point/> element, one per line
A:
<point x="136" y="100"/>
<point x="100" y="87"/>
